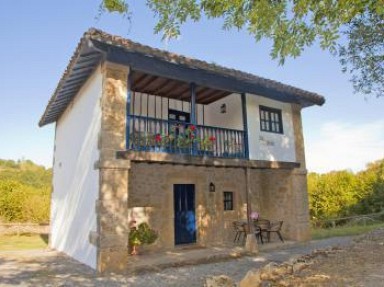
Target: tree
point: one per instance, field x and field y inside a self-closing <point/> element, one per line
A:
<point x="332" y="194"/>
<point x="363" y="56"/>
<point x="371" y="189"/>
<point x="343" y="193"/>
<point x="292" y="25"/>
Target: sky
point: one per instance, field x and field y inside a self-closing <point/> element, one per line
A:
<point x="37" y="41"/>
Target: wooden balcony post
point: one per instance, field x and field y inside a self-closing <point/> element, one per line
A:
<point x="193" y="113"/>
<point x="128" y="110"/>
<point x="245" y="124"/>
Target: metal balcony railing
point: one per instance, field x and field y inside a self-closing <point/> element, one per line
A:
<point x="158" y="135"/>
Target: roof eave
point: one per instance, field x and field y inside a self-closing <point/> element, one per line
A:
<point x="98" y="45"/>
<point x="81" y="66"/>
<point x="160" y="67"/>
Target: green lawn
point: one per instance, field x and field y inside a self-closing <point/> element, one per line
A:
<point x="321" y="233"/>
<point x="23" y="242"/>
<point x="33" y="241"/>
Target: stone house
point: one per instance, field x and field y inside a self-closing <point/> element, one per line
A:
<point x="187" y="146"/>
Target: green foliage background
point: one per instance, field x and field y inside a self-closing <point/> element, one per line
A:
<point x="343" y="193"/>
<point x="25" y="190"/>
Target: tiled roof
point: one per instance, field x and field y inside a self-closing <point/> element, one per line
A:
<point x="87" y="57"/>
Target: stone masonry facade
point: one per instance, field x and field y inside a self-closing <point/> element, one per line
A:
<point x="143" y="191"/>
<point x="112" y="206"/>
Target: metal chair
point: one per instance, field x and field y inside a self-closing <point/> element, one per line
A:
<point x="263" y="225"/>
<point x="240" y="229"/>
<point x="275" y="227"/>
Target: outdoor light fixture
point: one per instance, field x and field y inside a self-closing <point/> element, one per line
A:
<point x="211" y="187"/>
<point x="223" y="108"/>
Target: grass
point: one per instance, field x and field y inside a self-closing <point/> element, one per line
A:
<point x="33" y="241"/>
<point x="321" y="233"/>
<point x="23" y="242"/>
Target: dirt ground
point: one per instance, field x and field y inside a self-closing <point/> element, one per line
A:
<point x="357" y="262"/>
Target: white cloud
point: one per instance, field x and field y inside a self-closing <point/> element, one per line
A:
<point x="339" y="146"/>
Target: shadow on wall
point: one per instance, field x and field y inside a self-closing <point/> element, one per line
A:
<point x="277" y="199"/>
<point x="74" y="214"/>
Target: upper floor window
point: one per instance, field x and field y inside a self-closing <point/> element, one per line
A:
<point x="271" y="120"/>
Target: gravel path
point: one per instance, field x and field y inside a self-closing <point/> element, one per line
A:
<point x="48" y="268"/>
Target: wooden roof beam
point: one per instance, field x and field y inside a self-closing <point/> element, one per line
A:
<point x="144" y="83"/>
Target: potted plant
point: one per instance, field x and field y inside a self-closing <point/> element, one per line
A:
<point x="161" y="142"/>
<point x="206" y="145"/>
<point x="140" y="235"/>
<point x="134" y="240"/>
<point x="184" y="141"/>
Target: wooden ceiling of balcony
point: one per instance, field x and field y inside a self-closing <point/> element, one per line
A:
<point x="174" y="89"/>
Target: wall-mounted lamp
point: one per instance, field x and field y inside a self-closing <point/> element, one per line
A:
<point x="212" y="187"/>
<point x="223" y="108"/>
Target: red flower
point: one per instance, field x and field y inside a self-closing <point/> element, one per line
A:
<point x="192" y="128"/>
<point x="212" y="138"/>
<point x="158" y="138"/>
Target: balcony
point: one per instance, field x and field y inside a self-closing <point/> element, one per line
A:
<point x="150" y="134"/>
<point x="169" y="118"/>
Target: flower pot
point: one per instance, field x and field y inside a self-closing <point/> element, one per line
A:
<point x="207" y="153"/>
<point x="183" y="150"/>
<point x="134" y="250"/>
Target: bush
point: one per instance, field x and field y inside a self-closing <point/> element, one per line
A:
<point x="25" y="190"/>
<point x="21" y="203"/>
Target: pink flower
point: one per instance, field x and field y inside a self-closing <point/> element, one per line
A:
<point x="192" y="128"/>
<point x="254" y="215"/>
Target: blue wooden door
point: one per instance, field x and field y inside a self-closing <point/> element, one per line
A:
<point x="184" y="206"/>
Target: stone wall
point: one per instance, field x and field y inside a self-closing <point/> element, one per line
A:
<point x="151" y="186"/>
<point x="299" y="180"/>
<point x="112" y="209"/>
<point x="299" y="136"/>
<point x="281" y="195"/>
<point x="275" y="194"/>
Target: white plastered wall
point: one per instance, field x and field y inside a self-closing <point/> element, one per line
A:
<point x="265" y="145"/>
<point x="75" y="181"/>
<point x="233" y="116"/>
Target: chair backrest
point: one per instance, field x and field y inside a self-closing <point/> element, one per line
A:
<point x="263" y="223"/>
<point x="276" y="225"/>
<point x="239" y="226"/>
